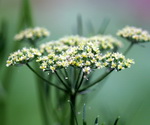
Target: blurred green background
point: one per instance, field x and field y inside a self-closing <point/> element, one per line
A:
<point x="125" y="94"/>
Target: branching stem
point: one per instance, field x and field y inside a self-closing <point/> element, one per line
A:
<point x="62" y="81"/>
<point x="97" y="81"/>
<point x="129" y="48"/>
<point x="52" y="84"/>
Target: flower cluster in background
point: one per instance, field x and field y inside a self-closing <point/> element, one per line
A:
<point x="135" y="35"/>
<point x="116" y="61"/>
<point x="106" y="42"/>
<point x="22" y="56"/>
<point x="32" y="34"/>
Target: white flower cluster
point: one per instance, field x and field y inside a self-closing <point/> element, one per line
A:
<point x="135" y="35"/>
<point x="84" y="54"/>
<point x="22" y="56"/>
<point x="79" y="56"/>
<point x="51" y="46"/>
<point x="116" y="61"/>
<point x="72" y="40"/>
<point x="104" y="43"/>
<point x="32" y="34"/>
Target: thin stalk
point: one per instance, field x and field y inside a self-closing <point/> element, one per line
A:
<point x="68" y="79"/>
<point x="9" y="72"/>
<point x="3" y="108"/>
<point x="129" y="48"/>
<point x="78" y="78"/>
<point x="47" y="88"/>
<point x="62" y="81"/>
<point x="104" y="25"/>
<point x="79" y="25"/>
<point x="52" y="84"/>
<point x="64" y="76"/>
<point x="42" y="92"/>
<point x="97" y="81"/>
<point x="24" y="21"/>
<point x="82" y="78"/>
<point x="42" y="103"/>
<point x="116" y="121"/>
<point x="74" y="78"/>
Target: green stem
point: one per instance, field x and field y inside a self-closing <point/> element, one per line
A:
<point x="73" y="118"/>
<point x="64" y="76"/>
<point x="79" y="25"/>
<point x="74" y="78"/>
<point x="97" y="81"/>
<point x="104" y="25"/>
<point x="24" y="21"/>
<point x="116" y="121"/>
<point x="3" y="108"/>
<point x="82" y="78"/>
<point x="52" y="84"/>
<point x="68" y="79"/>
<point x="42" y="92"/>
<point x="129" y="48"/>
<point x="42" y="102"/>
<point x="78" y="78"/>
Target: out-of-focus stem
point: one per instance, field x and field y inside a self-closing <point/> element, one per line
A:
<point x="116" y="121"/>
<point x="42" y="102"/>
<point x="129" y="48"/>
<point x="24" y="21"/>
<point x="2" y="112"/>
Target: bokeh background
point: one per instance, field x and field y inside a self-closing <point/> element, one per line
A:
<point x="125" y="94"/>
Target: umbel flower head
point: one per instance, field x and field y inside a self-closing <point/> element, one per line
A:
<point x="85" y="55"/>
<point x="32" y="34"/>
<point x="73" y="40"/>
<point x="134" y="35"/>
<point x="22" y="56"/>
<point x="49" y="47"/>
<point x="104" y="43"/>
<point x="116" y="61"/>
